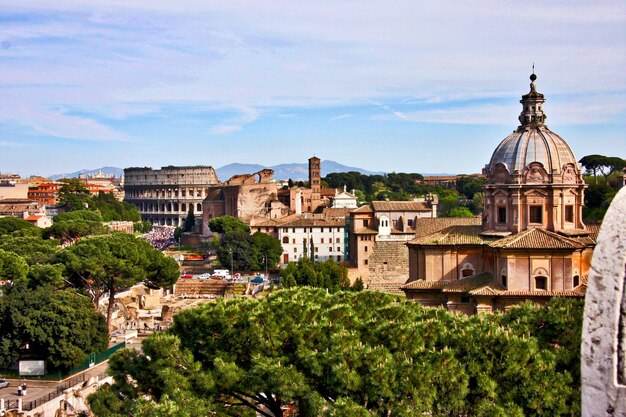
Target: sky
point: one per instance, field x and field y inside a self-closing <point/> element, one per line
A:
<point x="396" y="86"/>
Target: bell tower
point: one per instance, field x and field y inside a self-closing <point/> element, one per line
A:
<point x="314" y="178"/>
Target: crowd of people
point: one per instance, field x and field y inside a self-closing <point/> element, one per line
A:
<point x="160" y="237"/>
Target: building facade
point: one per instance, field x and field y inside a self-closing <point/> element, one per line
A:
<point x="531" y="243"/>
<point x="165" y="196"/>
<point x="379" y="231"/>
<point x="316" y="237"/>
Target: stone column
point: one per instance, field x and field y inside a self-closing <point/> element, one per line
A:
<point x="603" y="365"/>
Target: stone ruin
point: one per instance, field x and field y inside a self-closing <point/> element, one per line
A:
<point x="603" y="363"/>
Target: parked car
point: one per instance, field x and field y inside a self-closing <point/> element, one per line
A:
<point x="186" y="276"/>
<point x="257" y="280"/>
<point x="4" y="383"/>
<point x="206" y="275"/>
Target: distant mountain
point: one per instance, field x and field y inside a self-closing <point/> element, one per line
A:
<point x="295" y="171"/>
<point x="106" y="170"/>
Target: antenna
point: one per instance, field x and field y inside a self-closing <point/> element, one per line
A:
<point x="533" y="67"/>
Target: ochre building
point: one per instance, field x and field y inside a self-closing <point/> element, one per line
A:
<point x="531" y="243"/>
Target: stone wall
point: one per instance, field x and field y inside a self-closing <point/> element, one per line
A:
<point x="389" y="261"/>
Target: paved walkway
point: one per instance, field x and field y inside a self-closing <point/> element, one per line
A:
<point x="40" y="388"/>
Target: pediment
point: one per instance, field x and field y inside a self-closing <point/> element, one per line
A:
<point x="536" y="173"/>
<point x="535" y="193"/>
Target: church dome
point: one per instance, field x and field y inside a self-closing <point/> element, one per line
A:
<point x="532" y="142"/>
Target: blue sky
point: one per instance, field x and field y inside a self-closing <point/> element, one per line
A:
<point x="405" y="86"/>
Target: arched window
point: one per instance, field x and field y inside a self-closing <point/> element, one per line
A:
<point x="575" y="281"/>
<point x="467" y="270"/>
<point x="541" y="283"/>
<point x="285" y="239"/>
<point x="199" y="208"/>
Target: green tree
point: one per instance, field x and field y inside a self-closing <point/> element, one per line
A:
<point x="12" y="267"/>
<point x="112" y="209"/>
<point x="73" y="195"/>
<point x="8" y="225"/>
<point x="237" y="245"/>
<point x="468" y="186"/>
<point x="447" y="204"/>
<point x="73" y="229"/>
<point x="226" y="224"/>
<point x="190" y="220"/>
<point x="108" y="264"/>
<point x="340" y="354"/>
<point x="33" y="249"/>
<point x="60" y="327"/>
<point x="358" y="284"/>
<point x="305" y="272"/>
<point x="142" y="227"/>
<point x="460" y="212"/>
<point x="264" y="245"/>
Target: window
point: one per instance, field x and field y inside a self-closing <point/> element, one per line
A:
<point x="575" y="281"/>
<point x="293" y="241"/>
<point x="409" y="222"/>
<point x="293" y="230"/>
<point x="501" y="215"/>
<point x="467" y="273"/>
<point x="366" y="223"/>
<point x="316" y="249"/>
<point x="569" y="213"/>
<point x="199" y="208"/>
<point x="541" y="283"/>
<point x="536" y="214"/>
<point x="337" y="240"/>
<point x="365" y="262"/>
<point x="465" y="299"/>
<point x="322" y="240"/>
<point x="338" y="249"/>
<point x="322" y="230"/>
<point x="330" y="249"/>
<point x="504" y="281"/>
<point x="295" y="250"/>
<point x="365" y="248"/>
<point x="286" y="239"/>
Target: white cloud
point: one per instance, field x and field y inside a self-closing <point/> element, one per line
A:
<point x="341" y="116"/>
<point x="224" y="129"/>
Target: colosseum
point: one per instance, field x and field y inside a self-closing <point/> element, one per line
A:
<point x="164" y="196"/>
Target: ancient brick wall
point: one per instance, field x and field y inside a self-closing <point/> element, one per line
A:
<point x="389" y="262"/>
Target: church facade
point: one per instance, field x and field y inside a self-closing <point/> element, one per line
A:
<point x="531" y="243"/>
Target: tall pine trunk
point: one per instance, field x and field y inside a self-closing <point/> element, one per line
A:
<point x="110" y="307"/>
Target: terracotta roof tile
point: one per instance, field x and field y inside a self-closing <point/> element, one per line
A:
<point x="363" y="209"/>
<point x="537" y="238"/>
<point x="428" y="226"/>
<point x="365" y="231"/>
<point x="462" y="285"/>
<point x="400" y="206"/>
<point x="336" y="212"/>
<point x="454" y="235"/>
<point x="541" y="293"/>
<point x="316" y="222"/>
